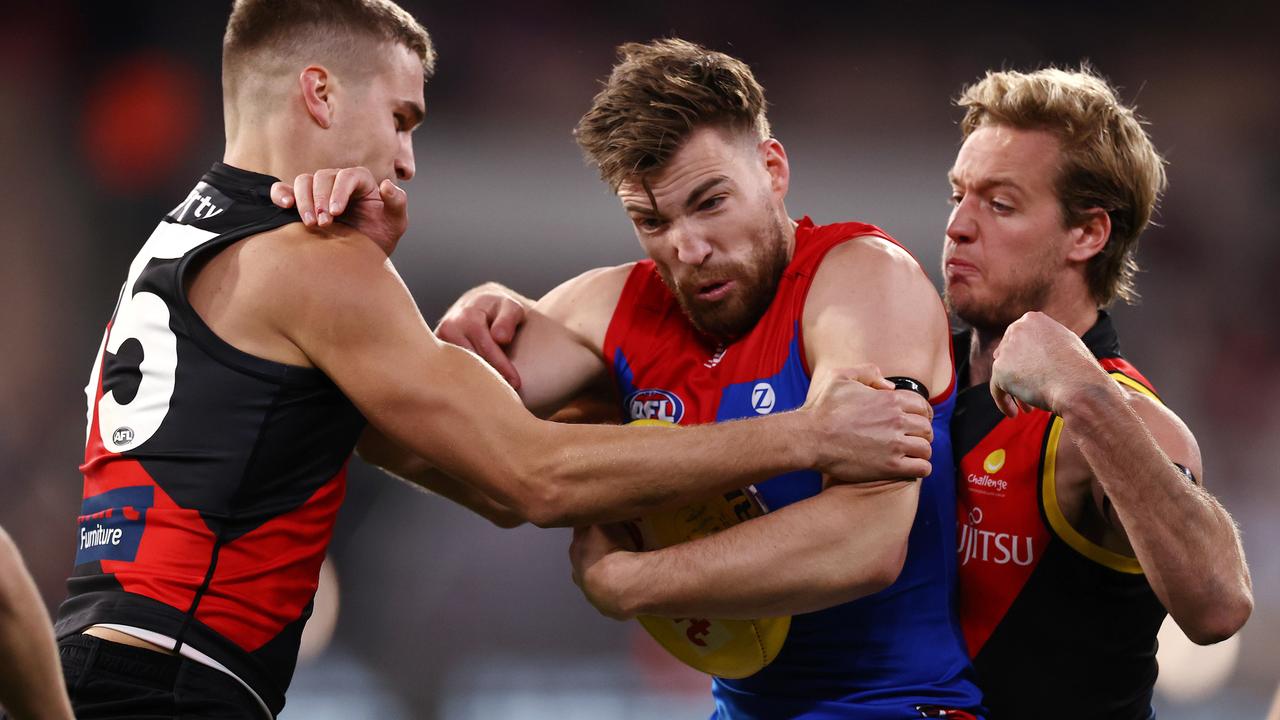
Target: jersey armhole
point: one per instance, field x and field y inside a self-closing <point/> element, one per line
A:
<point x="1058" y="523"/>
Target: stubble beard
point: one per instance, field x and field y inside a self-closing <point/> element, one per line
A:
<point x="994" y="315"/>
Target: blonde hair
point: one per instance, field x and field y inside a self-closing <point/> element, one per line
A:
<point x="657" y="95"/>
<point x="321" y="30"/>
<point x="1108" y="160"/>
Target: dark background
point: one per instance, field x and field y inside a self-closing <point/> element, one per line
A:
<point x="110" y="111"/>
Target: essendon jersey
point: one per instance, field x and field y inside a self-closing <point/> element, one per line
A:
<point x="1059" y="626"/>
<point x="880" y="656"/>
<point x="211" y="477"/>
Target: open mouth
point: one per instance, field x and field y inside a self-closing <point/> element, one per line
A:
<point x="714" y="290"/>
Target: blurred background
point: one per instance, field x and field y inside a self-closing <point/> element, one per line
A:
<point x="110" y="111"/>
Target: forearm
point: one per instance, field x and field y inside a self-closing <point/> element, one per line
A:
<point x="593" y="474"/>
<point x="32" y="684"/>
<point x="845" y="543"/>
<point x="1186" y="542"/>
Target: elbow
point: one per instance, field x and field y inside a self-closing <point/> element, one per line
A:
<point x="1223" y="621"/>
<point x="504" y="518"/>
<point x="890" y="567"/>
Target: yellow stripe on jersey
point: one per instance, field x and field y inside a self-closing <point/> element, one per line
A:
<point x="1058" y="521"/>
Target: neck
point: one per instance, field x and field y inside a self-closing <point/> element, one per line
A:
<point x="270" y="145"/>
<point x="1077" y="316"/>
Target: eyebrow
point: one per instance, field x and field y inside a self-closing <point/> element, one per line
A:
<point x="989" y="183"/>
<point x="414" y="111"/>
<point x="689" y="202"/>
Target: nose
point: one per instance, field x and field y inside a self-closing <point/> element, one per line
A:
<point x="404" y="165"/>
<point x="962" y="227"/>
<point x="690" y="244"/>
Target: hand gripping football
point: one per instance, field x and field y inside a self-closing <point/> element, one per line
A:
<point x="725" y="648"/>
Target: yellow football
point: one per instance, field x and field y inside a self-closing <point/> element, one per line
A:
<point x="725" y="648"/>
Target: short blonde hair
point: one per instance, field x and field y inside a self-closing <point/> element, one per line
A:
<point x="1108" y="161"/>
<point x="657" y="95"/>
<point x="324" y="28"/>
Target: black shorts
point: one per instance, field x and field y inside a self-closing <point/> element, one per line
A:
<point x="108" y="680"/>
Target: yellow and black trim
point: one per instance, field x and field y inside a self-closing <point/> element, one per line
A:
<point x="1049" y="495"/>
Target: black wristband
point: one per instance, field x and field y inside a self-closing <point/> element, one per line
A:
<point x="906" y="383"/>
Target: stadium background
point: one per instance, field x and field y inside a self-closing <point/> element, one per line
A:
<point x="109" y="111"/>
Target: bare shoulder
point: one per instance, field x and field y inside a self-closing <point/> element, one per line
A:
<point x="872" y="302"/>
<point x="1169" y="431"/>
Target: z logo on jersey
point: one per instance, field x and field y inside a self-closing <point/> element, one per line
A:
<point x="654" y="404"/>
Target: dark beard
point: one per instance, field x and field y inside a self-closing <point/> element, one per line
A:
<point x="730" y="319"/>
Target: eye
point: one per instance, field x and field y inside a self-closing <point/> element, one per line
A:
<point x="648" y="224"/>
<point x="402" y="122"/>
<point x="956" y="197"/>
<point x="711" y="203"/>
<point x="1001" y="207"/>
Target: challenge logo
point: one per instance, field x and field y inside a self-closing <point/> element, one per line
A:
<point x="111" y="524"/>
<point x="994" y="461"/>
<point x="654" y="404"/>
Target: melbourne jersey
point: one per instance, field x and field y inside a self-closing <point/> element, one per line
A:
<point x="211" y="477"/>
<point x="880" y="656"/>
<point x="1059" y="627"/>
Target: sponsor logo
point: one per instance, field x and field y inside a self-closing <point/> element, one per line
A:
<point x="994" y="461"/>
<point x="122" y="436"/>
<point x="198" y="205"/>
<point x="763" y="398"/>
<point x="697" y="631"/>
<point x="654" y="404"/>
<point x="986" y="484"/>
<point x="990" y="546"/>
<point x="111" y="524"/>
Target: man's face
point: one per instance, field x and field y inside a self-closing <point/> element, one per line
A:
<point x="713" y="221"/>
<point x="375" y="124"/>
<point x="1006" y="243"/>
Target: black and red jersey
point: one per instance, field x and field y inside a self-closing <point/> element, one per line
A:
<point x="212" y="478"/>
<point x="1058" y="626"/>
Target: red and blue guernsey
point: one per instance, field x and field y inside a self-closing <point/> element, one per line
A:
<point x="212" y="478"/>
<point x="896" y="654"/>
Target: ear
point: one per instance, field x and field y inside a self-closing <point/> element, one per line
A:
<point x="776" y="163"/>
<point x="317" y="94"/>
<point x="1090" y="237"/>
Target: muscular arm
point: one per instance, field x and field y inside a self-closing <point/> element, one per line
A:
<point x="1187" y="544"/>
<point x="344" y="306"/>
<point x="870" y="303"/>
<point x="1126" y="444"/>
<point x="380" y="451"/>
<point x="31" y="685"/>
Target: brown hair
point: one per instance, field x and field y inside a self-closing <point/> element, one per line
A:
<point x="326" y="28"/>
<point x="1107" y="162"/>
<point x="657" y="94"/>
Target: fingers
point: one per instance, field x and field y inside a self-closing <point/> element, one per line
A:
<point x="867" y="374"/>
<point x="507" y="318"/>
<point x="394" y="197"/>
<point x="1006" y="402"/>
<point x="482" y="343"/>
<point x="321" y="191"/>
<point x="282" y="194"/>
<point x="303" y="199"/>
<point x="349" y="183"/>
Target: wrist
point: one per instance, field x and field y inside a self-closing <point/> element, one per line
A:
<point x="616" y="589"/>
<point x="801" y="439"/>
<point x="1092" y="404"/>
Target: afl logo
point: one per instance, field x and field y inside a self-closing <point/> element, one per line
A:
<point x="654" y="404"/>
<point x="994" y="461"/>
<point x="122" y="436"/>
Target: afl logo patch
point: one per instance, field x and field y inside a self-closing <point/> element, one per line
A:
<point x="654" y="404"/>
<point x="122" y="436"/>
